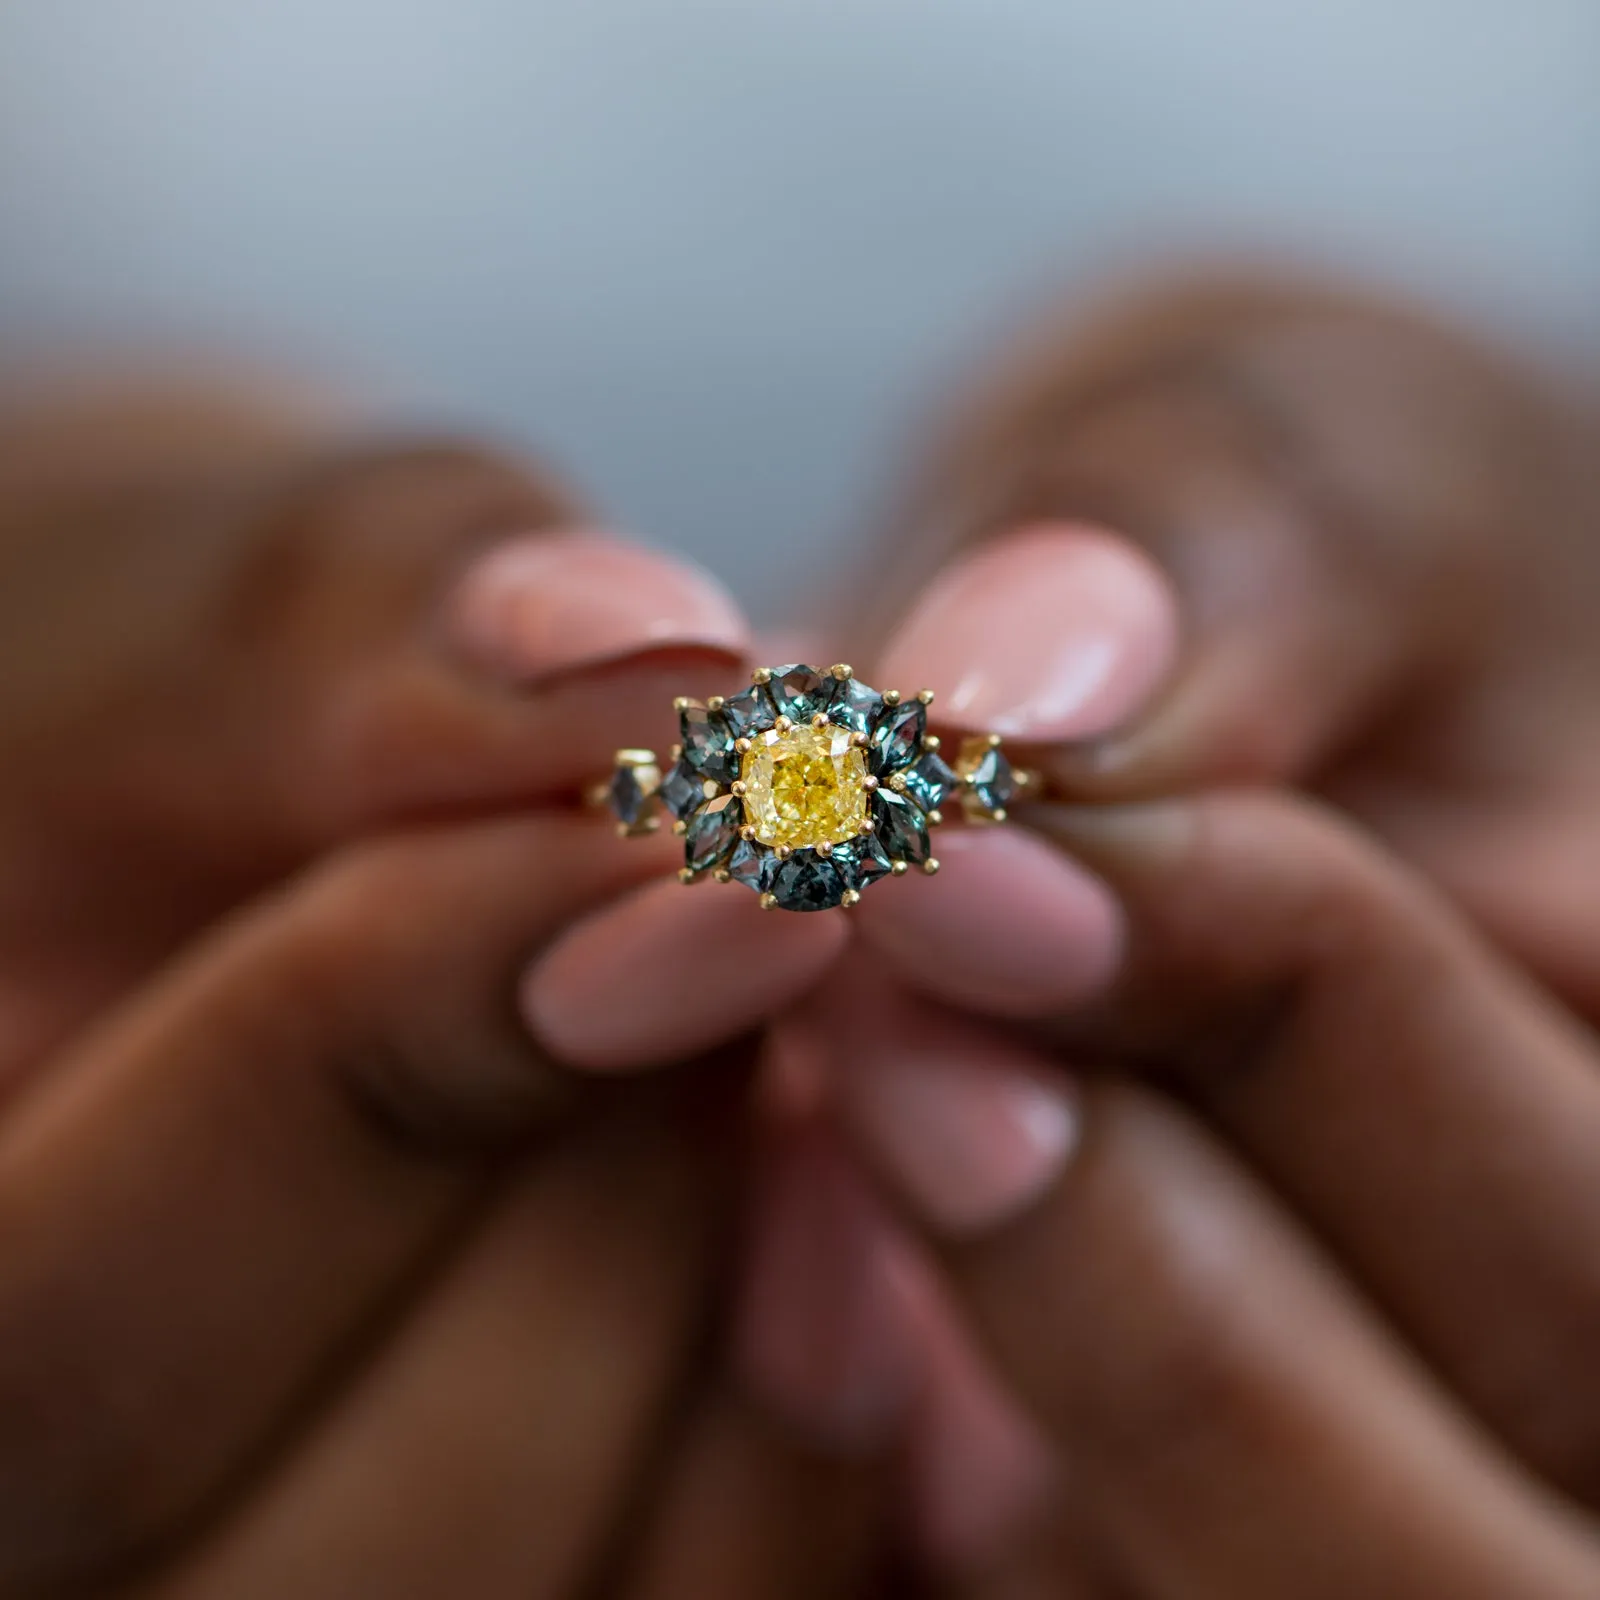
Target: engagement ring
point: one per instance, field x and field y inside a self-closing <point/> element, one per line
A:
<point x="807" y="787"/>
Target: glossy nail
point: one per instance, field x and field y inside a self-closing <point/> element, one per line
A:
<point x="818" y="1338"/>
<point x="1010" y="926"/>
<point x="968" y="1126"/>
<point x="669" y="970"/>
<point x="1055" y="632"/>
<point x="539" y="605"/>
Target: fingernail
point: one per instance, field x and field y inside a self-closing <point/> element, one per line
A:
<point x="668" y="971"/>
<point x="542" y="604"/>
<point x="818" y="1338"/>
<point x="1054" y="632"/>
<point x="971" y="1128"/>
<point x="1011" y="925"/>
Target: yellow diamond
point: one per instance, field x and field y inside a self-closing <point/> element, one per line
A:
<point x="805" y="787"/>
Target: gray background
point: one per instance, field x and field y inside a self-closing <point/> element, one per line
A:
<point x="714" y="257"/>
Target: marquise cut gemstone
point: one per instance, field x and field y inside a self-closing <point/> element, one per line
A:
<point x="712" y="835"/>
<point x="897" y="737"/>
<point x="707" y="743"/>
<point x="931" y="781"/>
<point x="746" y="712"/>
<point x="805" y="787"/>
<point x="683" y="790"/>
<point x="991" y="780"/>
<point x="901" y="826"/>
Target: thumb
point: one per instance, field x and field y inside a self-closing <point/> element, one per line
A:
<point x="1326" y="508"/>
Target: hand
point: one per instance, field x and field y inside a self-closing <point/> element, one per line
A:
<point x="1343" y="500"/>
<point x="319" y="1275"/>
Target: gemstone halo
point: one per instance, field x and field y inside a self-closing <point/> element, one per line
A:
<point x="807" y="787"/>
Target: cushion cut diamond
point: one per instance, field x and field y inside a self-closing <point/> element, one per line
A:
<point x="805" y="786"/>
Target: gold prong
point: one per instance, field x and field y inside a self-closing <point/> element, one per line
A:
<point x="995" y="741"/>
<point x="761" y="675"/>
<point x="743" y="746"/>
<point x="768" y="901"/>
<point x="709" y="789"/>
<point x="783" y="724"/>
<point x="897" y="782"/>
<point x="599" y="795"/>
<point x="869" y="783"/>
<point x="824" y="848"/>
<point x="851" y="897"/>
<point x="841" y="671"/>
<point x="1022" y="778"/>
<point x="899" y="868"/>
<point x="935" y="817"/>
<point x="680" y="828"/>
<point x="925" y="696"/>
<point x="682" y="703"/>
<point x="737" y="787"/>
<point x="930" y="742"/>
<point x="748" y="831"/>
<point x="784" y="851"/>
<point x="715" y="703"/>
<point x="931" y="865"/>
<point x="722" y="875"/>
<point x="624" y="831"/>
<point x="860" y="740"/>
<point x="891" y="697"/>
<point x="686" y="875"/>
<point x="998" y="814"/>
<point x="820" y="720"/>
<point x="865" y="827"/>
<point x="677" y="752"/>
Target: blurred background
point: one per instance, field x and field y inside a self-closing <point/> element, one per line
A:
<point x="715" y="258"/>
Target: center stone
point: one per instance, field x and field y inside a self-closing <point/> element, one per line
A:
<point x="805" y="787"/>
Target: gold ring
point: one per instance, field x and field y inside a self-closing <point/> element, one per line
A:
<point x="808" y="787"/>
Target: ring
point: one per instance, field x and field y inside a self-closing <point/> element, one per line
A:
<point x="807" y="787"/>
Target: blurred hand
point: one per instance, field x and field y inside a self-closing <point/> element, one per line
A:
<point x="1361" y="563"/>
<point x="319" y="1276"/>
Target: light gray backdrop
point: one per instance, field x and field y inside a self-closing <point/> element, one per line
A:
<point x="712" y="255"/>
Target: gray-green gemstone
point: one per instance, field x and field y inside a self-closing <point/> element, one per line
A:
<point x="752" y="864"/>
<point x="628" y="798"/>
<point x="931" y="781"/>
<point x="897" y="735"/>
<point x="855" y="705"/>
<point x="713" y="833"/>
<point x="992" y="781"/>
<point x="682" y="790"/>
<point x="800" y="692"/>
<point x="861" y="861"/>
<point x="807" y="882"/>
<point x="707" y="744"/>
<point x="901" y="827"/>
<point x="746" y="712"/>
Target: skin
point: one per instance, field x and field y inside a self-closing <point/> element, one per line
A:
<point x="1259" y="1383"/>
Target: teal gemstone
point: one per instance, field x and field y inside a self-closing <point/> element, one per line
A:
<point x="807" y="882"/>
<point x="861" y="861"/>
<point x="799" y="693"/>
<point x="992" y="782"/>
<point x="752" y="864"/>
<point x="746" y="713"/>
<point x="897" y="735"/>
<point x="713" y="833"/>
<point x="682" y="790"/>
<point x="707" y="743"/>
<point x="630" y="800"/>
<point x="855" y="705"/>
<point x="931" y="781"/>
<point x="901" y="828"/>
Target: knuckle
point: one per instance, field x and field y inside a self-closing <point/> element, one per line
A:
<point x="423" y="1043"/>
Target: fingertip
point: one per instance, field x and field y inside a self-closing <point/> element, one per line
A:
<point x="668" y="971"/>
<point x="1009" y="926"/>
